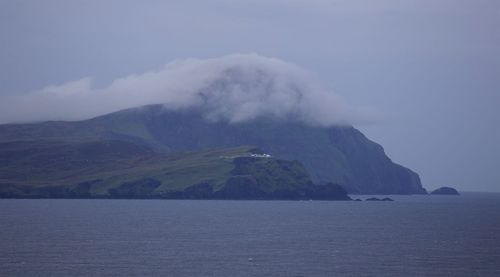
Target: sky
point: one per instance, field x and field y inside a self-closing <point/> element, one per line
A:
<point x="427" y="71"/>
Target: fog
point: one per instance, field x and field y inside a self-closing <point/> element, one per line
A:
<point x="233" y="88"/>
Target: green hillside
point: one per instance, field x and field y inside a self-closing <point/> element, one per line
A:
<point x="119" y="169"/>
<point x="338" y="154"/>
<point x="108" y="164"/>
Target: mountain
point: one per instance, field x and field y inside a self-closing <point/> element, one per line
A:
<point x="119" y="169"/>
<point x="338" y="154"/>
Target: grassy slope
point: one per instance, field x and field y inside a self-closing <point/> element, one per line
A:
<point x="51" y="163"/>
<point x="272" y="175"/>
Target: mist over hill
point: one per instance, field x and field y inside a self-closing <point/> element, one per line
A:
<point x="234" y="88"/>
<point x="226" y="102"/>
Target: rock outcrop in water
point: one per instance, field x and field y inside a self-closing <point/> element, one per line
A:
<point x="445" y="191"/>
<point x="379" y="199"/>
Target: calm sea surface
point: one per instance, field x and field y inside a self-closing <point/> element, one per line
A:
<point x="413" y="236"/>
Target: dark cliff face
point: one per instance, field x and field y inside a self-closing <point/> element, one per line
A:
<point x="340" y="155"/>
<point x="371" y="171"/>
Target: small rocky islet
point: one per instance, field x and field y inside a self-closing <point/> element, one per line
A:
<point x="445" y="191"/>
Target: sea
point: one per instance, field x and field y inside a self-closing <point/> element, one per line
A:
<point x="412" y="236"/>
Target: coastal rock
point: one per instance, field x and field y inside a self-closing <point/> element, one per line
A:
<point x="445" y="191"/>
<point x="379" y="199"/>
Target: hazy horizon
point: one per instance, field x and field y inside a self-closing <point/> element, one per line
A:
<point x="422" y="78"/>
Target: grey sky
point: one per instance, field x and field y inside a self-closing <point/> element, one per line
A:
<point x="432" y="68"/>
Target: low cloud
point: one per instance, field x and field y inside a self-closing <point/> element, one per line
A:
<point x="233" y="88"/>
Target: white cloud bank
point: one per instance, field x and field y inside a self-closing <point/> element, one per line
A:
<point x="235" y="88"/>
